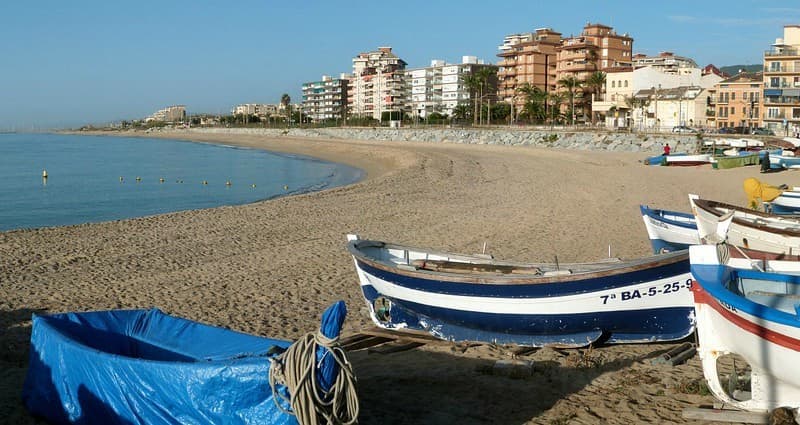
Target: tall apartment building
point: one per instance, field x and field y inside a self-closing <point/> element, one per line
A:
<point x="782" y="82"/>
<point x="527" y="58"/>
<point x="326" y="99"/>
<point x="543" y="58"/>
<point x="377" y="84"/>
<point x="738" y="101"/>
<point x="175" y="113"/>
<point x="597" y="48"/>
<point x="440" y="87"/>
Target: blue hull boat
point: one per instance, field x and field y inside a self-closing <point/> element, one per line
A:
<point x="459" y="297"/>
<point x="147" y="367"/>
<point x="669" y="231"/>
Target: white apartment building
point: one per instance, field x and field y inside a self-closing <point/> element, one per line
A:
<point x="259" y="109"/>
<point x="667" y="62"/>
<point x="175" y="113"/>
<point x="377" y="84"/>
<point x="440" y="87"/>
<point x="326" y="99"/>
<point x="650" y="79"/>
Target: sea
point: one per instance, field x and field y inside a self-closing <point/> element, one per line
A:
<point x="103" y="178"/>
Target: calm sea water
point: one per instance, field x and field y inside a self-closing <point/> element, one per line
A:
<point x="93" y="179"/>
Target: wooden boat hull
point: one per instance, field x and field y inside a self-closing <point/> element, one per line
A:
<point x="737" y="315"/>
<point x="750" y="229"/>
<point x="669" y="231"/>
<point x="644" y="301"/>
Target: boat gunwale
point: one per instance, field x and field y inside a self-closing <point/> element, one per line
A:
<point x="711" y="208"/>
<point x="659" y="215"/>
<point x="614" y="269"/>
<point x="47" y="320"/>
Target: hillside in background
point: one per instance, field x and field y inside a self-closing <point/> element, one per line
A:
<point x="734" y="69"/>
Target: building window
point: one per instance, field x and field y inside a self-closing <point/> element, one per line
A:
<point x="612" y="84"/>
<point x="795" y="113"/>
<point x="773" y="113"/>
<point x="733" y="95"/>
<point x="626" y="83"/>
<point x="775" y="82"/>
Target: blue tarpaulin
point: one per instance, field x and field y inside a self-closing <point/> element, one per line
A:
<point x="146" y="367"/>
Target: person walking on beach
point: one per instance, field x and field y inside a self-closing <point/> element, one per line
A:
<point x="666" y="150"/>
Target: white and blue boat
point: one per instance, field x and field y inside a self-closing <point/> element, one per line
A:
<point x="755" y="315"/>
<point x="147" y="367"/>
<point x="788" y="203"/>
<point x="460" y="297"/>
<point x="669" y="230"/>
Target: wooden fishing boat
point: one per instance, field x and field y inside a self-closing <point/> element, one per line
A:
<point x="146" y="367"/>
<point x="775" y="236"/>
<point x="477" y="298"/>
<point x="752" y="314"/>
<point x="669" y="230"/>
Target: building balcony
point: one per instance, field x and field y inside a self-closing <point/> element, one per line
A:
<point x="782" y="101"/>
<point x="509" y="72"/>
<point x="577" y="67"/>
<point x="785" y="52"/>
<point x="507" y="62"/>
<point x="781" y="70"/>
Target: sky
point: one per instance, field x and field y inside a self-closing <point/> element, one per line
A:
<point x="70" y="63"/>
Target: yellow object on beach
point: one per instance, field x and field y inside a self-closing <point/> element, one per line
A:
<point x="756" y="190"/>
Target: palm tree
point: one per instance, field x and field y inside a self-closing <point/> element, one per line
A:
<point x="640" y="103"/>
<point x="285" y="101"/>
<point x="535" y="99"/>
<point x="595" y="82"/>
<point x="473" y="84"/>
<point x="554" y="99"/>
<point x="461" y="112"/>
<point x="572" y="85"/>
<point x="485" y="76"/>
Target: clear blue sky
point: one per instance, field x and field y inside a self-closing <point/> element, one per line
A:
<point x="67" y="63"/>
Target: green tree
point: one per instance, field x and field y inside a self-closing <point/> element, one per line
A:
<point x="572" y="86"/>
<point x="595" y="83"/>
<point x="534" y="107"/>
<point x="285" y="101"/>
<point x="555" y="100"/>
<point x="461" y="112"/>
<point x="638" y="103"/>
<point x="473" y="84"/>
<point x="486" y="76"/>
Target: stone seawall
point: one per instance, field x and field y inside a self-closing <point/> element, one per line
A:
<point x="563" y="139"/>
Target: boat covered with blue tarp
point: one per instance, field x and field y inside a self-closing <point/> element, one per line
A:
<point x="147" y="367"/>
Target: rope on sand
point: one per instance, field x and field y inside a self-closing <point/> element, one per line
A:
<point x="296" y="368"/>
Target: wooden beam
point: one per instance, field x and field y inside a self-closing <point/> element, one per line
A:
<point x="725" y="415"/>
<point x="395" y="347"/>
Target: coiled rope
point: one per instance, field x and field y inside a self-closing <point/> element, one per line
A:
<point x="296" y="369"/>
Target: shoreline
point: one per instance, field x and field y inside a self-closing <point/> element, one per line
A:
<point x="271" y="267"/>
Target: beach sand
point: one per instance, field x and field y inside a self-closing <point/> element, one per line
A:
<point x="270" y="268"/>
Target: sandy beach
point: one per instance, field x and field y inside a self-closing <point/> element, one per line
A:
<point x="270" y="268"/>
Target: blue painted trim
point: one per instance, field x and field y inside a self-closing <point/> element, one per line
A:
<point x="717" y="279"/>
<point x="661" y="246"/>
<point x="661" y="324"/>
<point x="783" y="210"/>
<point x="580" y="285"/>
<point x="659" y="215"/>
